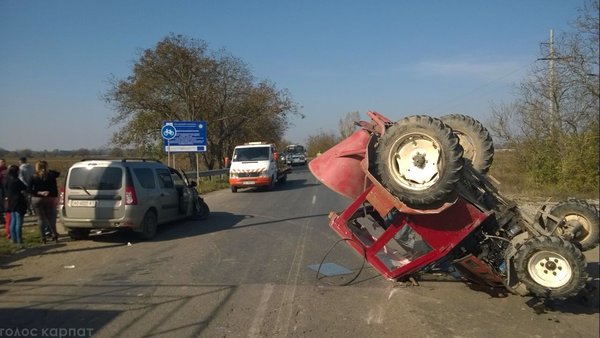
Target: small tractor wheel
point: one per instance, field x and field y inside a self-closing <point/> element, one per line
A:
<point x="419" y="160"/>
<point x="474" y="138"/>
<point x="577" y="214"/>
<point x="551" y="267"/>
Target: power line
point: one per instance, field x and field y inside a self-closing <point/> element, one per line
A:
<point x="457" y="99"/>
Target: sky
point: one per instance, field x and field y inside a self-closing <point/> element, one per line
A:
<point x="398" y="58"/>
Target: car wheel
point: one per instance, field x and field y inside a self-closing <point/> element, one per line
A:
<point x="79" y="234"/>
<point x="476" y="141"/>
<point x="149" y="225"/>
<point x="419" y="160"/>
<point x="202" y="209"/>
<point x="233" y="188"/>
<point x="551" y="267"/>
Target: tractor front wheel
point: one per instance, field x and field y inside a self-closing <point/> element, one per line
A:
<point x="551" y="267"/>
<point x="578" y="223"/>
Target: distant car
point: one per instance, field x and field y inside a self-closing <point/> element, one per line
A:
<point x="299" y="159"/>
<point x="128" y="193"/>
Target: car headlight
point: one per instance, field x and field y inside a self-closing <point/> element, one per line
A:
<point x="233" y="174"/>
<point x="264" y="172"/>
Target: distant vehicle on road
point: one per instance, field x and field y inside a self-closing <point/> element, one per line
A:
<point x="256" y="164"/>
<point x="295" y="154"/>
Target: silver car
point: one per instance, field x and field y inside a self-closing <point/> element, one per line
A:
<point x="133" y="194"/>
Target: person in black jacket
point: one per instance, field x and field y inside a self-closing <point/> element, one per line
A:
<point x="15" y="190"/>
<point x="44" y="193"/>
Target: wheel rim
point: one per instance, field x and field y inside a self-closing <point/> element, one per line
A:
<point x="573" y="220"/>
<point x="549" y="269"/>
<point x="469" y="149"/>
<point x="415" y="161"/>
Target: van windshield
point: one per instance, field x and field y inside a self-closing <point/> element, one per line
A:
<point x="98" y="178"/>
<point x="251" y="154"/>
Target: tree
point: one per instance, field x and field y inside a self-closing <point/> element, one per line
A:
<point x="180" y="79"/>
<point x="554" y="123"/>
<point x="320" y="142"/>
<point x="348" y="124"/>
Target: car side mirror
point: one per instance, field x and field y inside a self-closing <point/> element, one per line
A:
<point x="193" y="184"/>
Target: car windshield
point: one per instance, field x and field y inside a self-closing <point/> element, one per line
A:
<point x="294" y="149"/>
<point x="251" y="154"/>
<point x="98" y="178"/>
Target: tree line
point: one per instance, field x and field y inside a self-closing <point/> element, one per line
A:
<point x="553" y="124"/>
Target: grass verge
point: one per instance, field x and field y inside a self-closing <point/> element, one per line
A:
<point x="31" y="238"/>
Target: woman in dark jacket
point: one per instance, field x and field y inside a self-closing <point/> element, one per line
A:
<point x="44" y="193"/>
<point x="15" y="190"/>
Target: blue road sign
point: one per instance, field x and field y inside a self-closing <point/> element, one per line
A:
<point x="190" y="136"/>
<point x="168" y="131"/>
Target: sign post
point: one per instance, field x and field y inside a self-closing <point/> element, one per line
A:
<point x="168" y="132"/>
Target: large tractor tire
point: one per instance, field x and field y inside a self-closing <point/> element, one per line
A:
<point x="551" y="267"/>
<point x="581" y="215"/>
<point x="419" y="160"/>
<point x="475" y="139"/>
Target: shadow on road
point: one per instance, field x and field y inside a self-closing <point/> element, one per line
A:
<point x="290" y="184"/>
<point x="126" y="311"/>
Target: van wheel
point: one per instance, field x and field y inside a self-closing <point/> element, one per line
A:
<point x="272" y="183"/>
<point x="149" y="226"/>
<point x="79" y="234"/>
<point x="233" y="188"/>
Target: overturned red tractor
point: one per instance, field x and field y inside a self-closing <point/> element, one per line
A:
<point x="421" y="200"/>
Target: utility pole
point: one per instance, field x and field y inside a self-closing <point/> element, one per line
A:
<point x="552" y="85"/>
<point x="553" y="107"/>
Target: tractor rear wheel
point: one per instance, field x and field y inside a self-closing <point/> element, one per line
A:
<point x="419" y="160"/>
<point x="551" y="267"/>
<point x="474" y="138"/>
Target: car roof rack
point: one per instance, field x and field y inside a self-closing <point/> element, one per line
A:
<point x="130" y="159"/>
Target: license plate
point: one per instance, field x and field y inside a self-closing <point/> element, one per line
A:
<point x="83" y="203"/>
<point x="248" y="182"/>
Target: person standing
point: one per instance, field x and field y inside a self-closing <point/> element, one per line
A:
<point x="3" y="169"/>
<point x="15" y="191"/>
<point x="25" y="175"/>
<point x="44" y="192"/>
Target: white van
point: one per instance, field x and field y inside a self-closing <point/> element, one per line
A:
<point x="255" y="164"/>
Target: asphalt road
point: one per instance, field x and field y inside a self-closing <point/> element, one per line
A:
<point x="245" y="272"/>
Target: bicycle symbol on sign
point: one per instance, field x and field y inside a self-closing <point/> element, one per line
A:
<point x="168" y="132"/>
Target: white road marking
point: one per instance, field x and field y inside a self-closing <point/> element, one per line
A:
<point x="314" y="199"/>
<point x="260" y="311"/>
